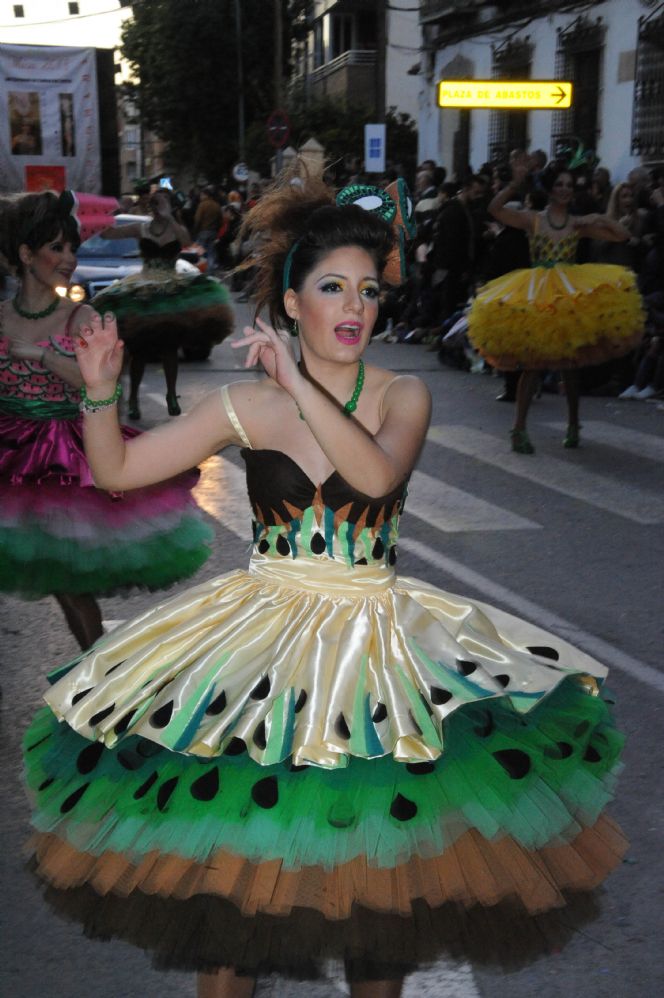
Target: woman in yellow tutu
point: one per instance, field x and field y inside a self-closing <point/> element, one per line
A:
<point x="557" y="314"/>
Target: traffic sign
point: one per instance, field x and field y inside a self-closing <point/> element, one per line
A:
<point x="278" y="129"/>
<point x="498" y="94"/>
<point x="241" y="173"/>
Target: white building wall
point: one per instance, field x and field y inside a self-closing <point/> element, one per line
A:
<point x="403" y="51"/>
<point x="437" y="126"/>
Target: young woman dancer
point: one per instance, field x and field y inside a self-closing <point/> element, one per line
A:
<point x="558" y="315"/>
<point x="314" y="758"/>
<point x="159" y="310"/>
<point x="59" y="534"/>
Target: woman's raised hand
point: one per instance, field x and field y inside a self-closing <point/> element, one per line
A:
<point x="272" y="349"/>
<point x="99" y="351"/>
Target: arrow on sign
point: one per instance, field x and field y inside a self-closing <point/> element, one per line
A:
<point x="559" y="94"/>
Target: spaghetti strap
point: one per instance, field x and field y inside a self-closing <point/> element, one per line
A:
<point x="232" y="415"/>
<point x="384" y="393"/>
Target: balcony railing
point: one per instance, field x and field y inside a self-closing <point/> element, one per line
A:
<point x="353" y="57"/>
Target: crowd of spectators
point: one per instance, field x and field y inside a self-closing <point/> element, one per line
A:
<point x="459" y="246"/>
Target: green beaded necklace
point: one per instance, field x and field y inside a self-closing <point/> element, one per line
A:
<point x="36" y="315"/>
<point x="351" y="404"/>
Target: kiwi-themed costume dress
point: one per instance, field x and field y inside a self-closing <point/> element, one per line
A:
<point x="556" y="314"/>
<point x="314" y="757"/>
<point x="58" y="532"/>
<point x="161" y="309"/>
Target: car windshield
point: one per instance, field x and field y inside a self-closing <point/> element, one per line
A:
<point x="97" y="246"/>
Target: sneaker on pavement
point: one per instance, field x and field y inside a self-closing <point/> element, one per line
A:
<point x="630" y="393"/>
<point x="646" y="393"/>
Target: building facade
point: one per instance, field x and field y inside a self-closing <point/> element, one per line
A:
<point x="611" y="50"/>
<point x="358" y="52"/>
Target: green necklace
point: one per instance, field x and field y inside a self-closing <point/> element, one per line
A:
<point x="558" y="228"/>
<point x="36" y="315"/>
<point x="351" y="404"/>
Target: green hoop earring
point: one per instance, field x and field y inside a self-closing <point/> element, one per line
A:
<point x="295" y="329"/>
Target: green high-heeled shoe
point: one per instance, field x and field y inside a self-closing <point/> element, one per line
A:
<point x="172" y="405"/>
<point x="571" y="440"/>
<point x="521" y="442"/>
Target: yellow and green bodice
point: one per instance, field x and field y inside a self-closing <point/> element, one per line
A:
<point x="545" y="252"/>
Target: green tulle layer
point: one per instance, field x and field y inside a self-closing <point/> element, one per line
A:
<point x="538" y="777"/>
<point x="34" y="563"/>
<point x="162" y="297"/>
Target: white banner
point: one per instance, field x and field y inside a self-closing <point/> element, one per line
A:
<point x="49" y="138"/>
<point x="374" y="148"/>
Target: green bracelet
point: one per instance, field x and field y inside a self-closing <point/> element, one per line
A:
<point x="94" y="405"/>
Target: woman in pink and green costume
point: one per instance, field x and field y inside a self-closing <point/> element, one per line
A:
<point x="59" y="534"/>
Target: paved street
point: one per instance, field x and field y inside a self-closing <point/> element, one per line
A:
<point x="571" y="539"/>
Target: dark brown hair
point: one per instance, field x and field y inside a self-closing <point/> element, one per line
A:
<point x="297" y="222"/>
<point x="33" y="220"/>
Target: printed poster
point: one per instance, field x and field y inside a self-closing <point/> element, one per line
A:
<point x="50" y="135"/>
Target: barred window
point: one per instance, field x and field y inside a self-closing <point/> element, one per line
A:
<point x="648" y="113"/>
<point x="509" y="129"/>
<point x="579" y="59"/>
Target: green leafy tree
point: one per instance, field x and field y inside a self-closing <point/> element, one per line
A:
<point x="184" y="54"/>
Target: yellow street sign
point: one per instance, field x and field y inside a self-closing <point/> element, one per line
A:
<point x="525" y="94"/>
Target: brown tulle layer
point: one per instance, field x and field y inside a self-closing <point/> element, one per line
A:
<point x="472" y="871"/>
<point x="205" y="932"/>
<point x="195" y="327"/>
<point x="587" y="356"/>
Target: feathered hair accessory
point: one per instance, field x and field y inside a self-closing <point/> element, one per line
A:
<point x="577" y="157"/>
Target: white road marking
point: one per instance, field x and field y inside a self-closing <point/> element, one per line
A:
<point x="452" y="978"/>
<point x="222" y="493"/>
<point x="600" y="432"/>
<point x="451" y="510"/>
<point x="110" y="624"/>
<point x="523" y="607"/>
<point x="154" y="397"/>
<point x="567" y="477"/>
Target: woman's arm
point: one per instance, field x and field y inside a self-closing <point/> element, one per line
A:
<point x="517" y="218"/>
<point x="601" y="227"/>
<point x="65" y="368"/>
<point x="372" y="464"/>
<point x="154" y="456"/>
<point x="128" y="231"/>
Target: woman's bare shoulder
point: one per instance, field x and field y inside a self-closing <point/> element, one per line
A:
<point x="382" y="380"/>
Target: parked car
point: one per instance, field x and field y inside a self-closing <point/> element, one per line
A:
<point x="103" y="261"/>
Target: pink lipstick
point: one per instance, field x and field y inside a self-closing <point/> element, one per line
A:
<point x="349" y="332"/>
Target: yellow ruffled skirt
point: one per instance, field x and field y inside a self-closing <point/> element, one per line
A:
<point x="569" y="315"/>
